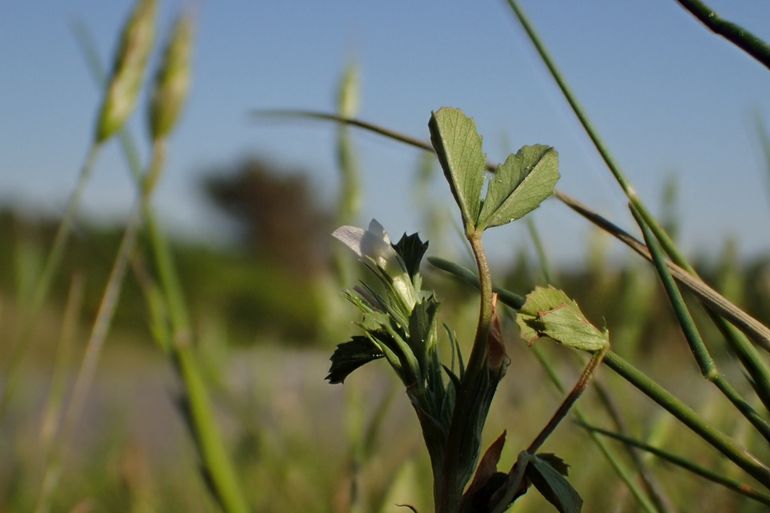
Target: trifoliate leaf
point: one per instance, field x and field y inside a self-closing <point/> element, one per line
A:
<point x="549" y="312"/>
<point x="411" y="250"/>
<point x="521" y="183"/>
<point x="458" y="147"/>
<point x="351" y="355"/>
<point x="553" y="486"/>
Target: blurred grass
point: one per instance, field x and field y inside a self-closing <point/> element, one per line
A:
<point x="298" y="448"/>
<point x="299" y="444"/>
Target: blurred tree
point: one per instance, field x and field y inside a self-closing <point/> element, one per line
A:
<point x="277" y="214"/>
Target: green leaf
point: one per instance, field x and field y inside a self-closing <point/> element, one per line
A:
<point x="351" y="355"/>
<point x="421" y="329"/>
<point x="521" y="183"/>
<point x="458" y="147"/>
<point x="411" y="249"/>
<point x="552" y="484"/>
<point x="549" y="312"/>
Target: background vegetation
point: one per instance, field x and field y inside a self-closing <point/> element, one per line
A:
<point x="262" y="315"/>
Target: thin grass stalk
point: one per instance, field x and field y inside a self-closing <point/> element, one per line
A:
<point x="349" y="202"/>
<point x="654" y="499"/>
<point x="755" y="366"/>
<point x="723" y="443"/>
<point x="737" y="342"/>
<point x="213" y="452"/>
<point x="569" y="401"/>
<point x="737" y="35"/>
<point x="205" y="431"/>
<point x="745" y="489"/>
<point x="622" y="471"/>
<point x="680" y="411"/>
<point x="516" y="473"/>
<point x="172" y="331"/>
<point x="515" y="301"/>
<point x="99" y="331"/>
<point x="22" y="342"/>
<point x="711" y="298"/>
<point x="706" y="364"/>
<point x="52" y="409"/>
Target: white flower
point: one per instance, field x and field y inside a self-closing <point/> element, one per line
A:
<point x="372" y="246"/>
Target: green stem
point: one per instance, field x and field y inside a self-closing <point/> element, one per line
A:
<point x="689" y="418"/>
<point x="468" y="407"/>
<point x="569" y="401"/>
<point x="21" y="343"/>
<point x="478" y="358"/>
<point x="177" y="339"/>
<point x="213" y="452"/>
<point x="744" y="489"/>
<point x="705" y="362"/>
<point x="576" y="108"/>
<point x="746" y="353"/>
<point x="737" y="35"/>
<point x="100" y="328"/>
<point x="657" y="500"/>
<point x="714" y="301"/>
<point x="620" y="469"/>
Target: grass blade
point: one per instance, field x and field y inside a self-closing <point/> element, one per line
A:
<point x="744" y="489"/>
<point x="737" y="35"/>
<point x="687" y="416"/>
<point x="712" y="299"/>
<point x="698" y="348"/>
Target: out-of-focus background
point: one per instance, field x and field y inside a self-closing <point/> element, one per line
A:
<point x="249" y="203"/>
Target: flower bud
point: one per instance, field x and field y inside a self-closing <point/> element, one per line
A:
<point x="172" y="80"/>
<point x="127" y="70"/>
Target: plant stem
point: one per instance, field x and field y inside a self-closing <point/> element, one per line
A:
<point x="42" y="286"/>
<point x="468" y="409"/>
<point x="702" y="356"/>
<point x="688" y="417"/>
<point x="759" y="372"/>
<point x="478" y="358"/>
<point x="657" y="501"/>
<point x="744" y="489"/>
<point x="620" y="469"/>
<point x="713" y="300"/>
<point x="169" y="301"/>
<point x="566" y="405"/>
<point x="101" y="326"/>
<point x="737" y="35"/>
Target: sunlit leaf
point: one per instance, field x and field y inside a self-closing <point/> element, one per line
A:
<point x="549" y="312"/>
<point x="521" y="183"/>
<point x="458" y="146"/>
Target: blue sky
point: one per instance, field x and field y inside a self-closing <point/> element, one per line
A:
<point x="668" y="97"/>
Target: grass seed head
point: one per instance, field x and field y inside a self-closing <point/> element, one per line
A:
<point x="128" y="70"/>
<point x="172" y="80"/>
